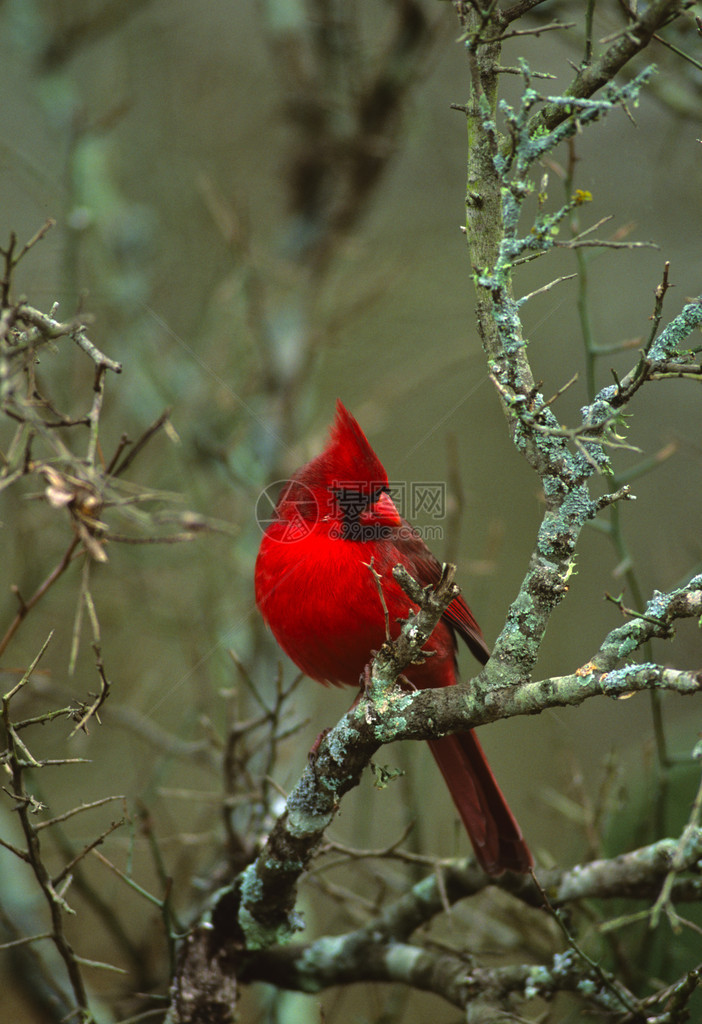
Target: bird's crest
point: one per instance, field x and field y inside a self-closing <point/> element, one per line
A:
<point x="347" y="466"/>
<point x="347" y="461"/>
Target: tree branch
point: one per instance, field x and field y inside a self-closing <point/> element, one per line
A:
<point x="381" y="949"/>
<point x="632" y="40"/>
<point x="268" y="886"/>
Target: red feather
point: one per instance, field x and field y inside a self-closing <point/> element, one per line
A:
<point x="317" y="594"/>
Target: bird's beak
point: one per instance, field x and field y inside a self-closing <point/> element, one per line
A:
<point x="382" y="511"/>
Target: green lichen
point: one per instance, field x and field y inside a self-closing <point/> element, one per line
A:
<point x="251" y="887"/>
<point x="402" y="960"/>
<point x="303" y="822"/>
<point x="342" y="736"/>
<point x="538" y="979"/>
<point x="257" y="934"/>
<point x="383" y="775"/>
<point x="670" y="339"/>
<point x="619" y="681"/>
<point x="389" y="728"/>
<point x="528" y="143"/>
<point x="318" y="959"/>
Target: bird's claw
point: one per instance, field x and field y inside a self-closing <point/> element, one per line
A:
<point x="314" y="749"/>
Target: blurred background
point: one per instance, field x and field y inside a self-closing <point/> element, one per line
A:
<point x="259" y="207"/>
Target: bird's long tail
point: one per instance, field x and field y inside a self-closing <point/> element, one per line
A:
<point x="492" y="829"/>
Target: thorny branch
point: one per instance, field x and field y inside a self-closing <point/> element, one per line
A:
<point x="49" y="446"/>
<point x="17" y="757"/>
<point x="55" y="884"/>
<point x="598" y="73"/>
<point x="73" y="480"/>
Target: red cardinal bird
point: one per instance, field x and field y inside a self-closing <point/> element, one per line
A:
<point x="317" y="594"/>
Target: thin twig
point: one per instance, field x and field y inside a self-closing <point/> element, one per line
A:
<point x="546" y="287"/>
<point x="26" y="606"/>
<point x="119" y="468"/>
<point x="66" y="870"/>
<point x="77" y="810"/>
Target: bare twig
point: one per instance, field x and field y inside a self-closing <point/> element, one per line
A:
<point x="52" y="330"/>
<point x="26" y="606"/>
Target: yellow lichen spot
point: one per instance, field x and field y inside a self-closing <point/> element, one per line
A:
<point x="581" y="196"/>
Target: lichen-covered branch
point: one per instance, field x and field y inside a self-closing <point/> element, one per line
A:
<point x="501" y="154"/>
<point x="630" y="42"/>
<point x="428" y="713"/>
<point x="268" y="886"/>
<point x="384" y="949"/>
<point x="250" y="920"/>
